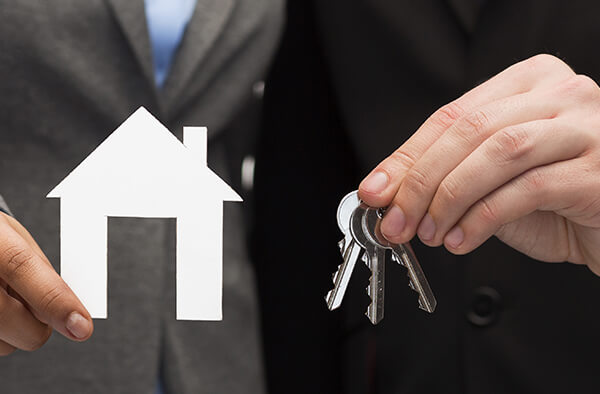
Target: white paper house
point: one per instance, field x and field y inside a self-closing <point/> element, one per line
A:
<point x="143" y="170"/>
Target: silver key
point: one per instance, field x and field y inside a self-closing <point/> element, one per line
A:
<point x="403" y="254"/>
<point x="375" y="259"/>
<point x="349" y="249"/>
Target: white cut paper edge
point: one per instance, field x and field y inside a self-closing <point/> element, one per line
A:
<point x="142" y="170"/>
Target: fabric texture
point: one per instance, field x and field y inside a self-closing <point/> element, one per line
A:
<point x="72" y="71"/>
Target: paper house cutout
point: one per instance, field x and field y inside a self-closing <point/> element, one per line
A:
<point x="143" y="170"/>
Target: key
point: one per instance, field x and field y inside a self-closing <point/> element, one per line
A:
<point x="360" y="225"/>
<point x="349" y="249"/>
<point x="374" y="255"/>
<point x="403" y="254"/>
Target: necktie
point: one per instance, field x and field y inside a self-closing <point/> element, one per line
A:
<point x="167" y="20"/>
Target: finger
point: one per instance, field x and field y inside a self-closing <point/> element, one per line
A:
<point x="11" y="292"/>
<point x="42" y="288"/>
<point x="420" y="183"/>
<point x="6" y="349"/>
<point x="33" y="244"/>
<point x="22" y="231"/>
<point x="538" y="72"/>
<point x="18" y="327"/>
<point x="507" y="154"/>
<point x="526" y="202"/>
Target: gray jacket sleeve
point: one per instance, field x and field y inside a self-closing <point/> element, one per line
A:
<point x="4" y="207"/>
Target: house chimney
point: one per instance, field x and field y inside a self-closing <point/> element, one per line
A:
<point x="195" y="139"/>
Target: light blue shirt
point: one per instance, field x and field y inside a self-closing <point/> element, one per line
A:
<point x="167" y="20"/>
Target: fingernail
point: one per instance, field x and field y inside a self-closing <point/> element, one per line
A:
<point x="375" y="183"/>
<point x="455" y="237"/>
<point x="426" y="229"/>
<point x="394" y="222"/>
<point x="78" y="325"/>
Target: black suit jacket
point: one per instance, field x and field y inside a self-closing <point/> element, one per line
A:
<point x="353" y="81"/>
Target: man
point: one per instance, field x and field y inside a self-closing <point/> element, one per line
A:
<point x="515" y="156"/>
<point x="71" y="72"/>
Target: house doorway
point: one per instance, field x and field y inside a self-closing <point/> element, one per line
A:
<point x="141" y="269"/>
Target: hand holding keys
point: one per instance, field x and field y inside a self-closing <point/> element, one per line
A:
<point x="361" y="227"/>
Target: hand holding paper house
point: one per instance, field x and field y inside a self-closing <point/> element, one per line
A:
<point x="143" y="170"/>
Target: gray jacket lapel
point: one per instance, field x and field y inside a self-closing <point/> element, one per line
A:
<point x="207" y="23"/>
<point x="132" y="17"/>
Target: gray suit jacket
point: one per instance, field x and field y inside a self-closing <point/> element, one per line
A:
<point x="70" y="72"/>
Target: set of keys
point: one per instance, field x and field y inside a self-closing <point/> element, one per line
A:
<point x="363" y="240"/>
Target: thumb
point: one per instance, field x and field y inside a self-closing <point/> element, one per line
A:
<point x="49" y="297"/>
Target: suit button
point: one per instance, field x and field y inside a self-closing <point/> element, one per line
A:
<point x="485" y="307"/>
<point x="258" y="89"/>
<point x="248" y="173"/>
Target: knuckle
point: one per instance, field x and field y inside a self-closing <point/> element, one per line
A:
<point x="509" y="145"/>
<point x="38" y="340"/>
<point x="543" y="60"/>
<point x="534" y="181"/>
<point x="488" y="212"/>
<point x="449" y="192"/>
<point x="472" y="125"/>
<point x="416" y="182"/>
<point x="5" y="307"/>
<point x="502" y="230"/>
<point x="17" y="261"/>
<point x="585" y="82"/>
<point x="50" y="299"/>
<point x="6" y="350"/>
<point x="448" y="114"/>
<point x="580" y="87"/>
<point x="403" y="159"/>
<point x="545" y="63"/>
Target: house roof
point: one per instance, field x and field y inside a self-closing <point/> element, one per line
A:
<point x="142" y="155"/>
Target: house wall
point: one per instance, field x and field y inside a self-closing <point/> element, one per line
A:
<point x="199" y="254"/>
<point x="83" y="254"/>
<point x="200" y="264"/>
